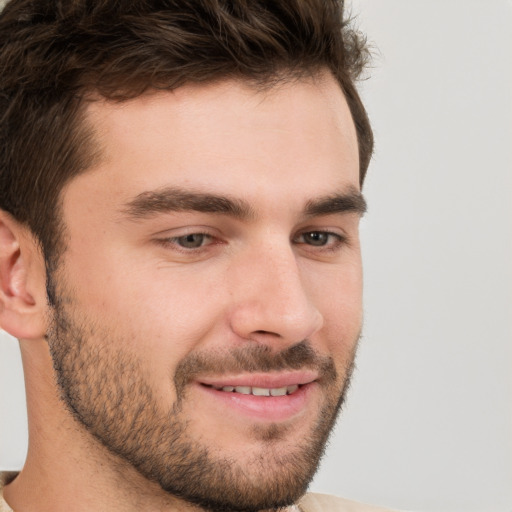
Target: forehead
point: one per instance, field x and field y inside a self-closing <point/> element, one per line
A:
<point x="224" y="137"/>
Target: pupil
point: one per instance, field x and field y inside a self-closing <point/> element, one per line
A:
<point x="191" y="241"/>
<point x="317" y="238"/>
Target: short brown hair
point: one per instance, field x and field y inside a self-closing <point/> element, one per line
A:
<point x="54" y="53"/>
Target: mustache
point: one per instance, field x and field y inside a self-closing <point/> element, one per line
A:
<point x="253" y="358"/>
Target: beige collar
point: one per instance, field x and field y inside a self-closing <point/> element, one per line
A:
<point x="5" y="478"/>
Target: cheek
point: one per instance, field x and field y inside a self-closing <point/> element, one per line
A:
<point x="338" y="296"/>
<point x="157" y="314"/>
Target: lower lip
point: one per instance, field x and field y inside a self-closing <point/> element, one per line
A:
<point x="264" y="408"/>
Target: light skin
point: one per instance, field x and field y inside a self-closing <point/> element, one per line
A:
<point x="220" y="223"/>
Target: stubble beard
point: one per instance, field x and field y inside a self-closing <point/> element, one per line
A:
<point x="108" y="393"/>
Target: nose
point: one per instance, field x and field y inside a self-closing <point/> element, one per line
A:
<point x="271" y="300"/>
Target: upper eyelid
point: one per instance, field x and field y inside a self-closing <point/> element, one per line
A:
<point x="326" y="231"/>
<point x="184" y="231"/>
<point x="164" y="234"/>
<point x="213" y="232"/>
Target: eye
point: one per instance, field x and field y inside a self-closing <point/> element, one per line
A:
<point x="190" y="241"/>
<point x="320" y="238"/>
<point x="317" y="238"/>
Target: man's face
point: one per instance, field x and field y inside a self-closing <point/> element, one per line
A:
<point x="209" y="297"/>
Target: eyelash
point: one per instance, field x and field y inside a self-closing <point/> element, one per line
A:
<point x="174" y="242"/>
<point x="340" y="240"/>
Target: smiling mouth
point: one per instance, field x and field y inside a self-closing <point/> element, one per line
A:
<point x="263" y="398"/>
<point x="257" y="391"/>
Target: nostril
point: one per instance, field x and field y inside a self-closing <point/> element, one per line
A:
<point x="266" y="334"/>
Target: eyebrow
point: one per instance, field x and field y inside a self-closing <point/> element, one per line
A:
<point x="351" y="201"/>
<point x="170" y="199"/>
<point x="173" y="199"/>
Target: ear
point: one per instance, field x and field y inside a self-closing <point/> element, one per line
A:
<point x="23" y="300"/>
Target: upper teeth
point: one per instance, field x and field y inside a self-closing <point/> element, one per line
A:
<point x="248" y="390"/>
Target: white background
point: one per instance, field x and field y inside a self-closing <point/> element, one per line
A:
<point x="428" y="423"/>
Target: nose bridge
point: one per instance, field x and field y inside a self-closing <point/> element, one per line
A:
<point x="273" y="297"/>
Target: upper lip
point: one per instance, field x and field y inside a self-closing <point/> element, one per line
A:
<point x="262" y="380"/>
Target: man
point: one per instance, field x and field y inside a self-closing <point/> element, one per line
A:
<point x="179" y="251"/>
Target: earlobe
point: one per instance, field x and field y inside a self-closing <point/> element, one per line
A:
<point x="22" y="296"/>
